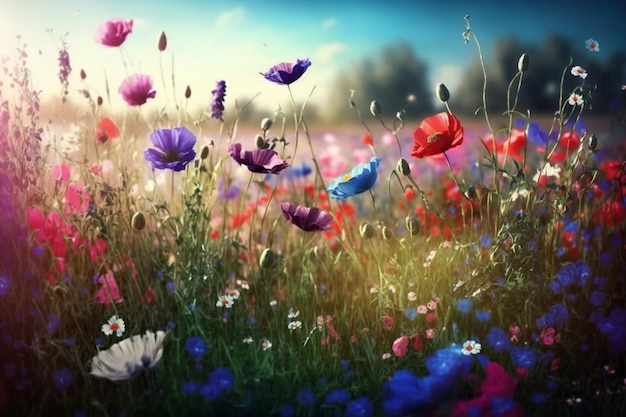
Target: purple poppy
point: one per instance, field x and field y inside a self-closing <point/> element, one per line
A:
<point x="114" y="32"/>
<point x="137" y="89"/>
<point x="309" y="219"/>
<point x="262" y="161"/>
<point x="174" y="148"/>
<point x="286" y="72"/>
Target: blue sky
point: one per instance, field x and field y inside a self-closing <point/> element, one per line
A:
<point x="235" y="40"/>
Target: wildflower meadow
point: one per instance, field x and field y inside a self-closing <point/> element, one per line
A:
<point x="185" y="264"/>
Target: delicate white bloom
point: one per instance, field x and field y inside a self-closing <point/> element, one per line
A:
<point x="115" y="324"/>
<point x="127" y="358"/>
<point x="520" y="192"/>
<point x="248" y="340"/>
<point x="576" y="99"/>
<point x="273" y="303"/>
<point x="233" y="293"/>
<point x="411" y="296"/>
<point x="266" y="344"/>
<point x="293" y="314"/>
<point x="225" y="301"/>
<point x="392" y="288"/>
<point x="592" y="45"/>
<point x="548" y="171"/>
<point x="471" y="348"/>
<point x="293" y="325"/>
<point x="70" y="142"/>
<point x="243" y="284"/>
<point x="578" y="71"/>
<point x="431" y="256"/>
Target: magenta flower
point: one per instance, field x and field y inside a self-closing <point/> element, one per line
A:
<point x="309" y="219"/>
<point x="286" y="73"/>
<point x="137" y="89"/>
<point x="114" y="32"/>
<point x="262" y="161"/>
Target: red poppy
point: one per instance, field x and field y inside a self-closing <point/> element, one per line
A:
<point x="106" y="130"/>
<point x="436" y="134"/>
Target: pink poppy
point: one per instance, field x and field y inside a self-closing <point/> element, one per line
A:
<point x="137" y="89"/>
<point x="416" y="342"/>
<point x="400" y="346"/>
<point x="109" y="291"/>
<point x="114" y="32"/>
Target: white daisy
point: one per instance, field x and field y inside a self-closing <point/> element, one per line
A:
<point x="592" y="45"/>
<point x="225" y="301"/>
<point x="266" y="344"/>
<point x="578" y="71"/>
<point x="115" y="324"/>
<point x="575" y="99"/>
<point x="471" y="348"/>
<point x="129" y="357"/>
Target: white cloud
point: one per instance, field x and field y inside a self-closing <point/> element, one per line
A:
<point x="230" y="16"/>
<point x="139" y="22"/>
<point x="330" y="22"/>
<point x="450" y="75"/>
<point x="326" y="52"/>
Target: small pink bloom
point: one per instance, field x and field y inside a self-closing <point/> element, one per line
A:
<point x="320" y="320"/>
<point x="109" y="291"/>
<point x="61" y="172"/>
<point x="430" y="333"/>
<point x="521" y="372"/>
<point x="431" y="305"/>
<point x="137" y="89"/>
<point x="431" y="319"/>
<point x="416" y="342"/>
<point x="114" y="32"/>
<point x="353" y="339"/>
<point x="386" y="356"/>
<point x="554" y="366"/>
<point x="400" y="346"/>
<point x="387" y="322"/>
<point x="422" y="309"/>
<point x="411" y="296"/>
<point x="547" y="336"/>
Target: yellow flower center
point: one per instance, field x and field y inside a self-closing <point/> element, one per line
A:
<point x="346" y="177"/>
<point x="434" y="137"/>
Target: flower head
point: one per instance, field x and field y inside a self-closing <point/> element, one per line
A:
<point x="136" y="89"/>
<point x="360" y="179"/>
<point x="196" y="346"/>
<point x="114" y="32"/>
<point x="114" y="325"/>
<point x="106" y="130"/>
<point x="309" y="219"/>
<point x="127" y="358"/>
<point x="575" y="99"/>
<point x="217" y="106"/>
<point x="262" y="161"/>
<point x="471" y="347"/>
<point x="225" y="301"/>
<point x="174" y="148"/>
<point x="400" y="346"/>
<point x="436" y="134"/>
<point x="592" y="45"/>
<point x="286" y="73"/>
<point x="578" y="71"/>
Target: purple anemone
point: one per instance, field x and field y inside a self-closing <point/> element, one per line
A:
<point x="286" y="72"/>
<point x="262" y="161"/>
<point x="174" y="148"/>
<point x="309" y="219"/>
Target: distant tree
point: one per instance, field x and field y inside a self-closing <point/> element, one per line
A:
<point x="396" y="78"/>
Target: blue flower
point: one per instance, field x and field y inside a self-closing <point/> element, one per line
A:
<point x="449" y="363"/>
<point x="597" y="298"/>
<point x="222" y="378"/>
<point x="483" y="316"/>
<point x="190" y="387"/>
<point x="5" y="285"/>
<point x="523" y="356"/>
<point x="600" y="282"/>
<point x="362" y="178"/>
<point x="286" y="410"/>
<point x="534" y="133"/>
<point x="410" y="313"/>
<point x="499" y="340"/>
<point x="301" y="172"/>
<point x="286" y="73"/>
<point x="174" y="148"/>
<point x="62" y="378"/>
<point x="210" y="391"/>
<point x="407" y="394"/>
<point x="555" y="287"/>
<point x="196" y="346"/>
<point x="500" y="406"/>
<point x="306" y="396"/>
<point x="464" y="305"/>
<point x="359" y="407"/>
<point x="485" y="241"/>
<point x="613" y="327"/>
<point x="338" y="396"/>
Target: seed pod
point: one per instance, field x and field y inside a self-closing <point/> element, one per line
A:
<point x="83" y="74"/>
<point x="268" y="259"/>
<point x="522" y="64"/>
<point x="470" y="192"/>
<point x="593" y="142"/>
<point x="376" y="108"/>
<point x="266" y="124"/>
<point x="99" y="101"/>
<point x="162" y="42"/>
<point x="261" y="143"/>
<point x="187" y="92"/>
<point x="351" y="102"/>
<point x="138" y="221"/>
<point x="443" y="93"/>
<point x="387" y="233"/>
<point x="402" y="167"/>
<point x="366" y="231"/>
<point x="204" y="152"/>
<point x="412" y="225"/>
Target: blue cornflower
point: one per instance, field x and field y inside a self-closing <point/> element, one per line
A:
<point x="600" y="282"/>
<point x="483" y="316"/>
<point x="301" y="172"/>
<point x="306" y="396"/>
<point x="210" y="391"/>
<point x="170" y="286"/>
<point x="498" y="340"/>
<point x="555" y="287"/>
<point x="286" y="410"/>
<point x="190" y="387"/>
<point x="410" y="313"/>
<point x="523" y="356"/>
<point x="338" y="396"/>
<point x="464" y="305"/>
<point x="613" y="327"/>
<point x="196" y="346"/>
<point x="62" y="378"/>
<point x="596" y="298"/>
<point x="360" y="179"/>
<point x="217" y="106"/>
<point x="485" y="241"/>
<point x="5" y="285"/>
<point x="534" y="133"/>
<point x="222" y="378"/>
<point x="359" y="407"/>
<point x="606" y="259"/>
<point x="449" y="363"/>
<point x="407" y="394"/>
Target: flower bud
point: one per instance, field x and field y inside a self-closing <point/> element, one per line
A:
<point x="470" y="192"/>
<point x="187" y="92"/>
<point x="138" y="221"/>
<point x="592" y="142"/>
<point x="412" y="225"/>
<point x="376" y="108"/>
<point x="204" y="152"/>
<point x="387" y="233"/>
<point x="402" y="167"/>
<point x="522" y="64"/>
<point x="261" y="143"/>
<point x="268" y="259"/>
<point x="266" y="124"/>
<point x="443" y="93"/>
<point x="83" y="74"/>
<point x="366" y="231"/>
<point x="162" y="42"/>
<point x="99" y="101"/>
<point x="351" y="102"/>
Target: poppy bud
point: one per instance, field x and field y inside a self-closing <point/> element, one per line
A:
<point x="443" y="93"/>
<point x="266" y="124"/>
<point x="83" y="74"/>
<point x="268" y="259"/>
<point x="387" y="233"/>
<point x="162" y="42"/>
<point x="196" y="163"/>
<point x="366" y="231"/>
<point x="187" y="92"/>
<point x="376" y="108"/>
<point x="204" y="152"/>
<point x="99" y="101"/>
<point x="470" y="192"/>
<point x="412" y="225"/>
<point x="402" y="167"/>
<point x="351" y="102"/>
<point x="138" y="221"/>
<point x="593" y="142"/>
<point x="522" y="64"/>
<point x="261" y="143"/>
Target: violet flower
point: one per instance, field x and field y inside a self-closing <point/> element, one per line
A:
<point x="217" y="106"/>
<point x="309" y="219"/>
<point x="286" y="73"/>
<point x="137" y="89"/>
<point x="262" y="161"/>
<point x="174" y="148"/>
<point x="114" y="32"/>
